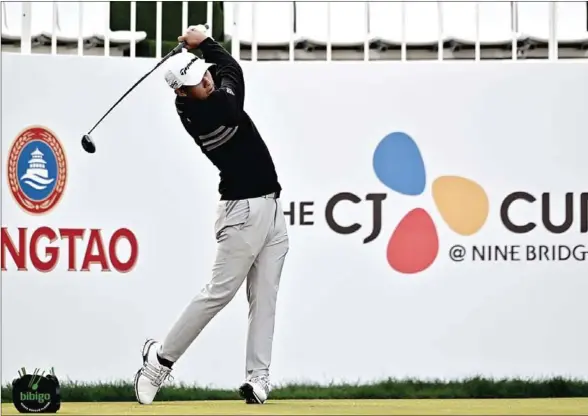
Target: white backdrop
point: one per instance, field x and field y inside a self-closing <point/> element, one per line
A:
<point x="343" y="313"/>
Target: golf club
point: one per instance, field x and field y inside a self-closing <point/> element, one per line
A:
<point x="87" y="142"/>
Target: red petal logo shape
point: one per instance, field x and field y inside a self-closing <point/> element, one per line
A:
<point x="414" y="245"/>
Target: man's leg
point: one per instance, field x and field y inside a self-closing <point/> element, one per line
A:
<point x="241" y="230"/>
<point x="240" y="233"/>
<point x="263" y="282"/>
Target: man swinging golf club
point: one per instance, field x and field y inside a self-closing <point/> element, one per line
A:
<point x="252" y="239"/>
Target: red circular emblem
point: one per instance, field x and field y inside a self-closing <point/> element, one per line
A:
<point x="37" y="170"/>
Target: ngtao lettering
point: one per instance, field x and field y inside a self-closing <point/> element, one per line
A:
<point x="96" y="251"/>
<point x="37" y="177"/>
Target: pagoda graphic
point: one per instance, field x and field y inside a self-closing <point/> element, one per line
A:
<point x="37" y="175"/>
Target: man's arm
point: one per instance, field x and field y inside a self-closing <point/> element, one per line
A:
<point x="231" y="91"/>
<point x="230" y="94"/>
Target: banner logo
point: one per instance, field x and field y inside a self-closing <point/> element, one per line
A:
<point x="463" y="205"/>
<point x="461" y="202"/>
<point x="36" y="393"/>
<point x="37" y="176"/>
<point x="37" y="170"/>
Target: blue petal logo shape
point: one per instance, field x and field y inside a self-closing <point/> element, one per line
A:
<point x="398" y="164"/>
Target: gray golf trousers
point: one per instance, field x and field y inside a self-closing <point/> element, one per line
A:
<point x="252" y="243"/>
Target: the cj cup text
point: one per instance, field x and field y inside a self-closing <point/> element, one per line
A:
<point x="30" y="396"/>
<point x="413" y="245"/>
<point x="303" y="213"/>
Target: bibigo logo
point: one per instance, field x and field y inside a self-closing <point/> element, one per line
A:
<point x="37" y="170"/>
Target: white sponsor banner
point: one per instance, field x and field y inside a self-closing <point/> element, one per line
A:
<point x="444" y="233"/>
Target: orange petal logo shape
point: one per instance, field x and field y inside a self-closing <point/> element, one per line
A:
<point x="462" y="203"/>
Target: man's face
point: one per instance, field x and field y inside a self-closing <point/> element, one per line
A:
<point x="200" y="91"/>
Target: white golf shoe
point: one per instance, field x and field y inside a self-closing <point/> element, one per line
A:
<point x="255" y="390"/>
<point x="151" y="376"/>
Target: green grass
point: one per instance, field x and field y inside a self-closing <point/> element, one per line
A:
<point x="333" y="407"/>
<point x="473" y="388"/>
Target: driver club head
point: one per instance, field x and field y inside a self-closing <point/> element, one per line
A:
<point x="88" y="144"/>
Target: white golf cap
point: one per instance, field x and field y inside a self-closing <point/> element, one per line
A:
<point x="185" y="68"/>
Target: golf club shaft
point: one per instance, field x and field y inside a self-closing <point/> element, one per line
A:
<point x="173" y="52"/>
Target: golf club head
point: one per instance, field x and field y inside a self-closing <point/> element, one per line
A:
<point x="88" y="144"/>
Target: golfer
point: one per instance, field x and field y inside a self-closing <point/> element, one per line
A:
<point x="252" y="239"/>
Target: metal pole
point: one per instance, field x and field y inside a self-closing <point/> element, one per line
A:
<point x="292" y="32"/>
<point x="329" y="46"/>
<point x="80" y="28"/>
<point x="440" y="34"/>
<point x="158" y="28"/>
<point x="210" y="15"/>
<point x="253" y="32"/>
<point x="403" y="31"/>
<point x="184" y="16"/>
<point x="553" y="44"/>
<point x="54" y="30"/>
<point x="235" y="45"/>
<point x="366" y="41"/>
<point x="514" y="14"/>
<point x="133" y="27"/>
<point x="25" y="42"/>
<point x="478" y="51"/>
<point x="107" y="29"/>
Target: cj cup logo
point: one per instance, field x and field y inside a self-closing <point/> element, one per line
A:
<point x="462" y="204"/>
<point x="37" y="170"/>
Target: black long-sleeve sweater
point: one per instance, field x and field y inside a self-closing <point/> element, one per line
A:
<point x="226" y="134"/>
